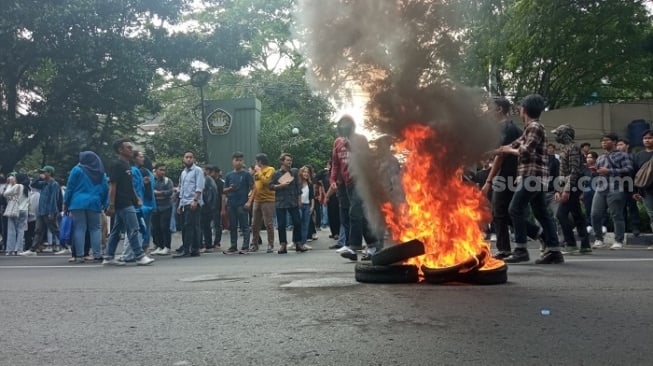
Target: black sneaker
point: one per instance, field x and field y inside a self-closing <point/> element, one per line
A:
<point x="551" y="257"/>
<point x="230" y="251"/>
<point x="179" y="250"/>
<point x="349" y="255"/>
<point x="519" y="255"/>
<point x="335" y="246"/>
<point x="502" y="254"/>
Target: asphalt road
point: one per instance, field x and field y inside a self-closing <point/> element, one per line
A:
<point x="306" y="309"/>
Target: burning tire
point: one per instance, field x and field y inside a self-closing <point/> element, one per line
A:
<point x="369" y="273"/>
<point x="493" y="276"/>
<point x="454" y="273"/>
<point x="398" y="253"/>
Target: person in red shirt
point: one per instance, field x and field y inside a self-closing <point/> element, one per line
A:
<point x="346" y="144"/>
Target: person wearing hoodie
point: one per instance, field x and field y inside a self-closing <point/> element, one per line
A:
<point x="87" y="195"/>
<point x="568" y="191"/>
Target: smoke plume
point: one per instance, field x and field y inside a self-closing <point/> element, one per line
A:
<point x="399" y="52"/>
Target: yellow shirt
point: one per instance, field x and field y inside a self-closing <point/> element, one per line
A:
<point x="262" y="183"/>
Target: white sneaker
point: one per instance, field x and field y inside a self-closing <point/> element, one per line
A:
<point x="156" y="251"/>
<point x="27" y="253"/>
<point x="144" y="261"/>
<point x="616" y="245"/>
<point x="47" y="249"/>
<point x="308" y="247"/>
<point x="598" y="244"/>
<point x="164" y="251"/>
<point x="63" y="251"/>
<point x="650" y="247"/>
<point x="343" y="249"/>
<point x="113" y="262"/>
<point x="590" y="230"/>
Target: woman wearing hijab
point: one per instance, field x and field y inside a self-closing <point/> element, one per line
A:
<point x="87" y="195"/>
<point x="17" y="190"/>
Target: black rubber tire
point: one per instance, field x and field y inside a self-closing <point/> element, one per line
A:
<point x="398" y="253"/>
<point x="488" y="277"/>
<point x="369" y="273"/>
<point x="452" y="274"/>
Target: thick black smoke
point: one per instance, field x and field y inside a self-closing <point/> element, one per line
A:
<point x="398" y="52"/>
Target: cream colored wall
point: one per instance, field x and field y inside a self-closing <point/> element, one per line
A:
<point x="590" y="122"/>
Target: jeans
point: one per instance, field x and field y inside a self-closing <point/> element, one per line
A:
<point x="615" y="201"/>
<point x="305" y="217"/>
<point x="146" y="231"/>
<point x="325" y="216"/>
<point x="191" y="236"/>
<point x="342" y="237"/>
<point x="125" y="219"/>
<point x="127" y="252"/>
<point x="84" y="220"/>
<point x="238" y="216"/>
<point x="519" y="213"/>
<point x="293" y="212"/>
<point x="161" y="234"/>
<point x="16" y="232"/>
<point x="263" y="212"/>
<point x="358" y="225"/>
<point x="564" y="209"/>
<point x="333" y="212"/>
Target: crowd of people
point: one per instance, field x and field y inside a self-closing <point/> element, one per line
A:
<point x="533" y="192"/>
<point x="140" y="205"/>
<point x="526" y="179"/>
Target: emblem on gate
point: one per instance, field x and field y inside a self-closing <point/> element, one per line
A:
<point x="218" y="122"/>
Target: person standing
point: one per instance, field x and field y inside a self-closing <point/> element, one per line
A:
<point x="347" y="143"/>
<point x="17" y="193"/>
<point x="122" y="206"/>
<point x="611" y="167"/>
<point x="237" y="186"/>
<point x="87" y="195"/>
<point x="631" y="212"/>
<point x="645" y="194"/>
<point x="209" y="196"/>
<point x="161" y="216"/>
<point x="502" y="173"/>
<point x="532" y="181"/>
<point x="285" y="184"/>
<point x="264" y="197"/>
<point x="191" y="186"/>
<point x="306" y="206"/>
<point x="568" y="191"/>
<point x="220" y="204"/>
<point x="48" y="210"/>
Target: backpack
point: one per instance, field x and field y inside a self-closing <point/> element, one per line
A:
<point x="644" y="176"/>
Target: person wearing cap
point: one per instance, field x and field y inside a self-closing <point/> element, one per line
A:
<point x="568" y="191"/>
<point x="532" y="179"/>
<point x="46" y="217"/>
<point x="612" y="167"/>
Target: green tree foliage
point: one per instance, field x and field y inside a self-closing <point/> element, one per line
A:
<point x="274" y="75"/>
<point x="73" y="72"/>
<point x="571" y="52"/>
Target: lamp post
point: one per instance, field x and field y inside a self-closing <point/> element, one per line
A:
<point x="200" y="79"/>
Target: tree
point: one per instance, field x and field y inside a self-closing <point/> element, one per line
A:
<point x="73" y="72"/>
<point x="571" y="52"/>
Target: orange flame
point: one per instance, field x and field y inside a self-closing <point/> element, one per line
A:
<point x="440" y="210"/>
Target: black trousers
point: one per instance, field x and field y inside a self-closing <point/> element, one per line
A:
<point x="501" y="218"/>
<point x="191" y="235"/>
<point x="206" y="218"/>
<point x="161" y="235"/>
<point x="333" y="212"/>
<point x="572" y="206"/>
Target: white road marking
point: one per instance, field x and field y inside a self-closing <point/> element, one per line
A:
<point x="64" y="266"/>
<point x="610" y="260"/>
